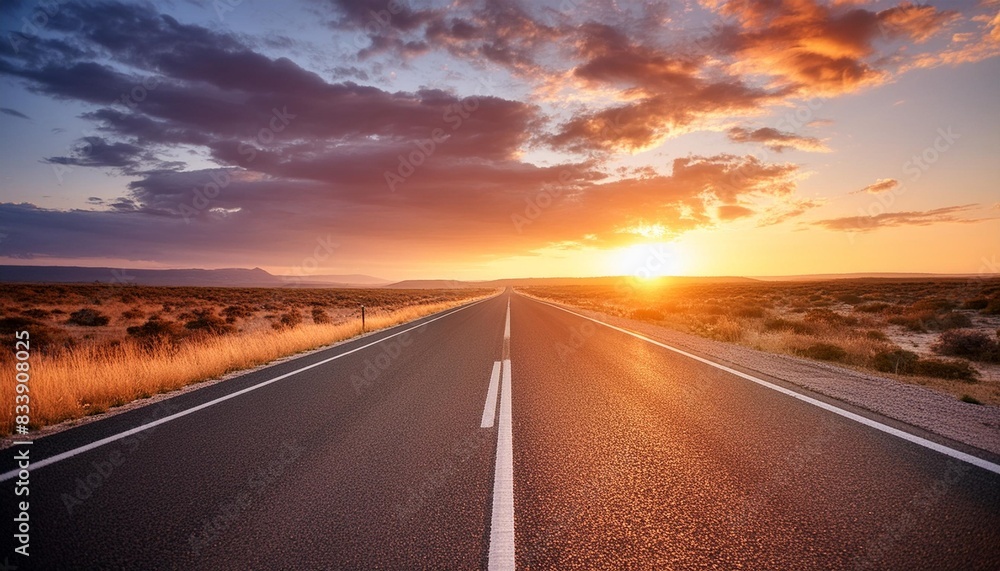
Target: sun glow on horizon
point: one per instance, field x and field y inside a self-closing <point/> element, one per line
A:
<point x="649" y="260"/>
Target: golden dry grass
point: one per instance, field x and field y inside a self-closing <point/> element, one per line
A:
<point x="90" y="378"/>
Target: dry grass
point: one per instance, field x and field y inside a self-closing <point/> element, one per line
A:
<point x="895" y="327"/>
<point x="86" y="373"/>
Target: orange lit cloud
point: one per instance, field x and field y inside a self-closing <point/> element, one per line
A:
<point x="776" y="140"/>
<point x="880" y="185"/>
<point x="950" y="214"/>
<point x="818" y="49"/>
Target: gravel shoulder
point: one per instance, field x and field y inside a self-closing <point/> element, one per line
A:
<point x="974" y="425"/>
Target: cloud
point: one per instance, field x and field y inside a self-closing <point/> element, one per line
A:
<point x="812" y="48"/>
<point x="950" y="214"/>
<point x="665" y="94"/>
<point x="729" y="212"/>
<point x="14" y="113"/>
<point x="96" y="152"/>
<point x="450" y="212"/>
<point x="776" y="140"/>
<point x="982" y="42"/>
<point x="880" y="185"/>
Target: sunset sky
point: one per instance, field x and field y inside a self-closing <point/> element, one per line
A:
<point x="489" y="139"/>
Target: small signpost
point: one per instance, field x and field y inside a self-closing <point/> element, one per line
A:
<point x="362" y="319"/>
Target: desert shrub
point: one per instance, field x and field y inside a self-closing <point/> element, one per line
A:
<point x="133" y="313"/>
<point x="234" y="312"/>
<point x="850" y="298"/>
<point x="952" y="320"/>
<point x="726" y="329"/>
<point x="288" y="320"/>
<point x="35" y="313"/>
<point x="928" y="320"/>
<point x="876" y="335"/>
<point x="933" y="304"/>
<point x="155" y="330"/>
<point x="781" y="324"/>
<point x="320" y="316"/>
<point x="88" y="317"/>
<point x="977" y="303"/>
<point x="824" y="352"/>
<point x="206" y="320"/>
<point x="946" y="369"/>
<point x="750" y="311"/>
<point x="873" y="307"/>
<point x="971" y="344"/>
<point x="993" y="307"/>
<point x="898" y="361"/>
<point x="912" y="321"/>
<point x="829" y="316"/>
<point x="42" y="337"/>
<point x="647" y="314"/>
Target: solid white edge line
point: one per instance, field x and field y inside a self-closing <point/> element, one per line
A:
<point x="490" y="409"/>
<point x="957" y="454"/>
<point x="502" y="525"/>
<point x="98" y="443"/>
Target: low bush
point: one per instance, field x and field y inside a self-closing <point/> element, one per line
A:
<point x="288" y="320"/>
<point x="88" y="317"/>
<point x="977" y="303"/>
<point x="750" y="311"/>
<point x="134" y="313"/>
<point x="825" y="352"/>
<point x="946" y="369"/>
<point x="829" y="316"/>
<point x="933" y="304"/>
<point x="42" y="338"/>
<point x="234" y="312"/>
<point x="971" y="344"/>
<point x="206" y="320"/>
<point x="876" y="335"/>
<point x="36" y="313"/>
<point x="992" y="308"/>
<point x="928" y="320"/>
<point x="320" y="316"/>
<point x="155" y="331"/>
<point x="873" y="307"/>
<point x="781" y="324"/>
<point x="899" y="361"/>
<point x="647" y="314"/>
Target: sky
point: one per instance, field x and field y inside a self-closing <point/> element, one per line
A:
<point x="481" y="139"/>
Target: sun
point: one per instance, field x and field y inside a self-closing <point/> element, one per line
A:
<point x="649" y="260"/>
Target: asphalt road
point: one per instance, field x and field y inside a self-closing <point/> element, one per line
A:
<point x="614" y="453"/>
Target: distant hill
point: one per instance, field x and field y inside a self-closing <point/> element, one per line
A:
<point x="434" y="284"/>
<point x="334" y="280"/>
<point x="229" y="277"/>
<point x="613" y="280"/>
<point x="526" y="282"/>
<point x="860" y="276"/>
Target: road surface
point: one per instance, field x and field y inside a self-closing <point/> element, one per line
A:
<point x="504" y="434"/>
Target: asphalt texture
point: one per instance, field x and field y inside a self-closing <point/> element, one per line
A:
<point x="625" y="456"/>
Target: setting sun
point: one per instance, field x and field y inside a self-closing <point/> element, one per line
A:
<point x="649" y="260"/>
